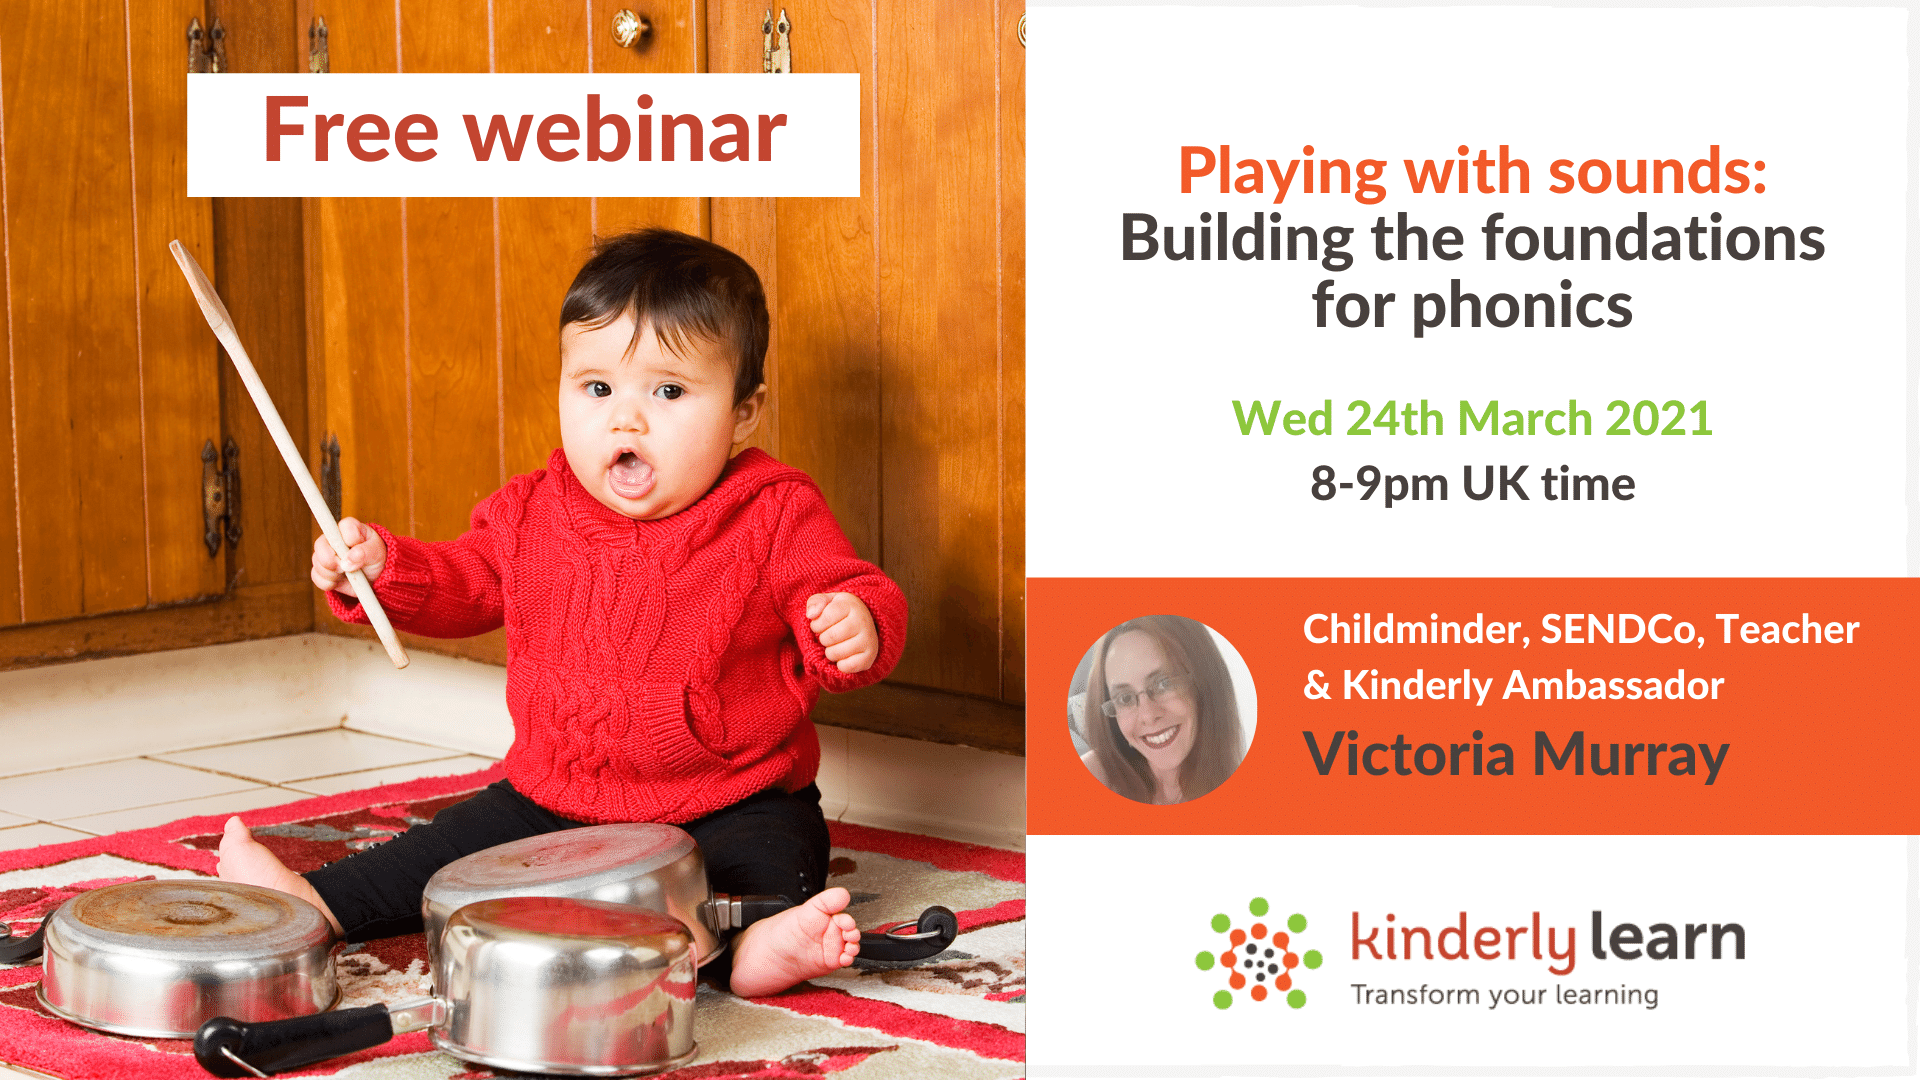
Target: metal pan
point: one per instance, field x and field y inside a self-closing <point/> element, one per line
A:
<point x="654" y="866"/>
<point x="159" y="958"/>
<point x="531" y="984"/>
<point x="657" y="867"/>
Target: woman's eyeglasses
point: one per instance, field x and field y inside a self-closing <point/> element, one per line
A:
<point x="1125" y="701"/>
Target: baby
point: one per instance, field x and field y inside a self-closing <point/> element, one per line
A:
<point x="672" y="611"/>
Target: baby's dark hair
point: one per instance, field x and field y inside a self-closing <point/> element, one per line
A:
<point x="682" y="287"/>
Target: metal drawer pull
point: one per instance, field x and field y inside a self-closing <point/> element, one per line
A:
<point x="629" y="28"/>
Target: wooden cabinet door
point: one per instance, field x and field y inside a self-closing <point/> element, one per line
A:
<point x="897" y="350"/>
<point x="112" y="379"/>
<point x="433" y="341"/>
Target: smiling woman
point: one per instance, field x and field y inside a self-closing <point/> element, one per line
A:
<point x="1160" y="717"/>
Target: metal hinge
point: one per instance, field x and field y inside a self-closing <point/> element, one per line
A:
<point x="206" y="49"/>
<point x="776" y="59"/>
<point x="220" y="495"/>
<point x="330" y="473"/>
<point x="317" y="62"/>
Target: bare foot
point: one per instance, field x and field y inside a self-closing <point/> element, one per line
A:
<point x="814" y="938"/>
<point x="246" y="860"/>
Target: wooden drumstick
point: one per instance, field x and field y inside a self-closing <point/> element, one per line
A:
<point x="222" y="324"/>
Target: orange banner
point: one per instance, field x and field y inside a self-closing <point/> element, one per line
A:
<point x="1623" y="705"/>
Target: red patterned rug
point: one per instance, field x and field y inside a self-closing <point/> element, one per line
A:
<point x="961" y="1014"/>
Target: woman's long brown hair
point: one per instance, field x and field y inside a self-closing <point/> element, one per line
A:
<point x="1217" y="744"/>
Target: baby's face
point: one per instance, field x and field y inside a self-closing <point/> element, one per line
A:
<point x="648" y="432"/>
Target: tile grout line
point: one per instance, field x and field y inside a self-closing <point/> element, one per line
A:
<point x="453" y="751"/>
<point x="284" y="786"/>
<point x="63" y="824"/>
<point x="158" y="756"/>
<point x="258" y="785"/>
<point x="297" y="779"/>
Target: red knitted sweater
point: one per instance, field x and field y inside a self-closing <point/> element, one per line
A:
<point x="656" y="670"/>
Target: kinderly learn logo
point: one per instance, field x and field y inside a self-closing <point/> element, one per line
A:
<point x="1251" y="954"/>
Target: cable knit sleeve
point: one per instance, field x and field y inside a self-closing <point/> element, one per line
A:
<point x="811" y="555"/>
<point x="451" y="588"/>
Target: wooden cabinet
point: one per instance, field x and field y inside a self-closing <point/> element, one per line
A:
<point x="900" y="334"/>
<point x="112" y="383"/>
<point x="111" y="380"/>
<point x="420" y="333"/>
<point x="896" y="361"/>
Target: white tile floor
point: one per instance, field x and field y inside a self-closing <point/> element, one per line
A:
<point x="135" y="793"/>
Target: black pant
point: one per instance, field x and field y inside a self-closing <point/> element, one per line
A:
<point x="771" y="843"/>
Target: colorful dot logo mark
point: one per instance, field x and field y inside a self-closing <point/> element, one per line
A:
<point x="1256" y="961"/>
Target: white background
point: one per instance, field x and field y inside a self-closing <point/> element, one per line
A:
<point x="1114" y="924"/>
<point x="1137" y="468"/>
<point x="1133" y="365"/>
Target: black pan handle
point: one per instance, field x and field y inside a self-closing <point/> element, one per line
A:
<point x="755" y="908"/>
<point x="912" y="941"/>
<point x="930" y="936"/>
<point x="226" y="1047"/>
<point x="15" y="950"/>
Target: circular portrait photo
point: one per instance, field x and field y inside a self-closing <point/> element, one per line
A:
<point x="1161" y="709"/>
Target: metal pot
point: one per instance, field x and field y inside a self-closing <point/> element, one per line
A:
<point x="531" y="984"/>
<point x="159" y="958"/>
<point x="654" y="866"/>
<point x="657" y="867"/>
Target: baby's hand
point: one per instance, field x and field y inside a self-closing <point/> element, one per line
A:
<point x="365" y="550"/>
<point x="845" y="628"/>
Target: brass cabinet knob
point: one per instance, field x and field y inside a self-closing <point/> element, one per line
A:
<point x="629" y="28"/>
